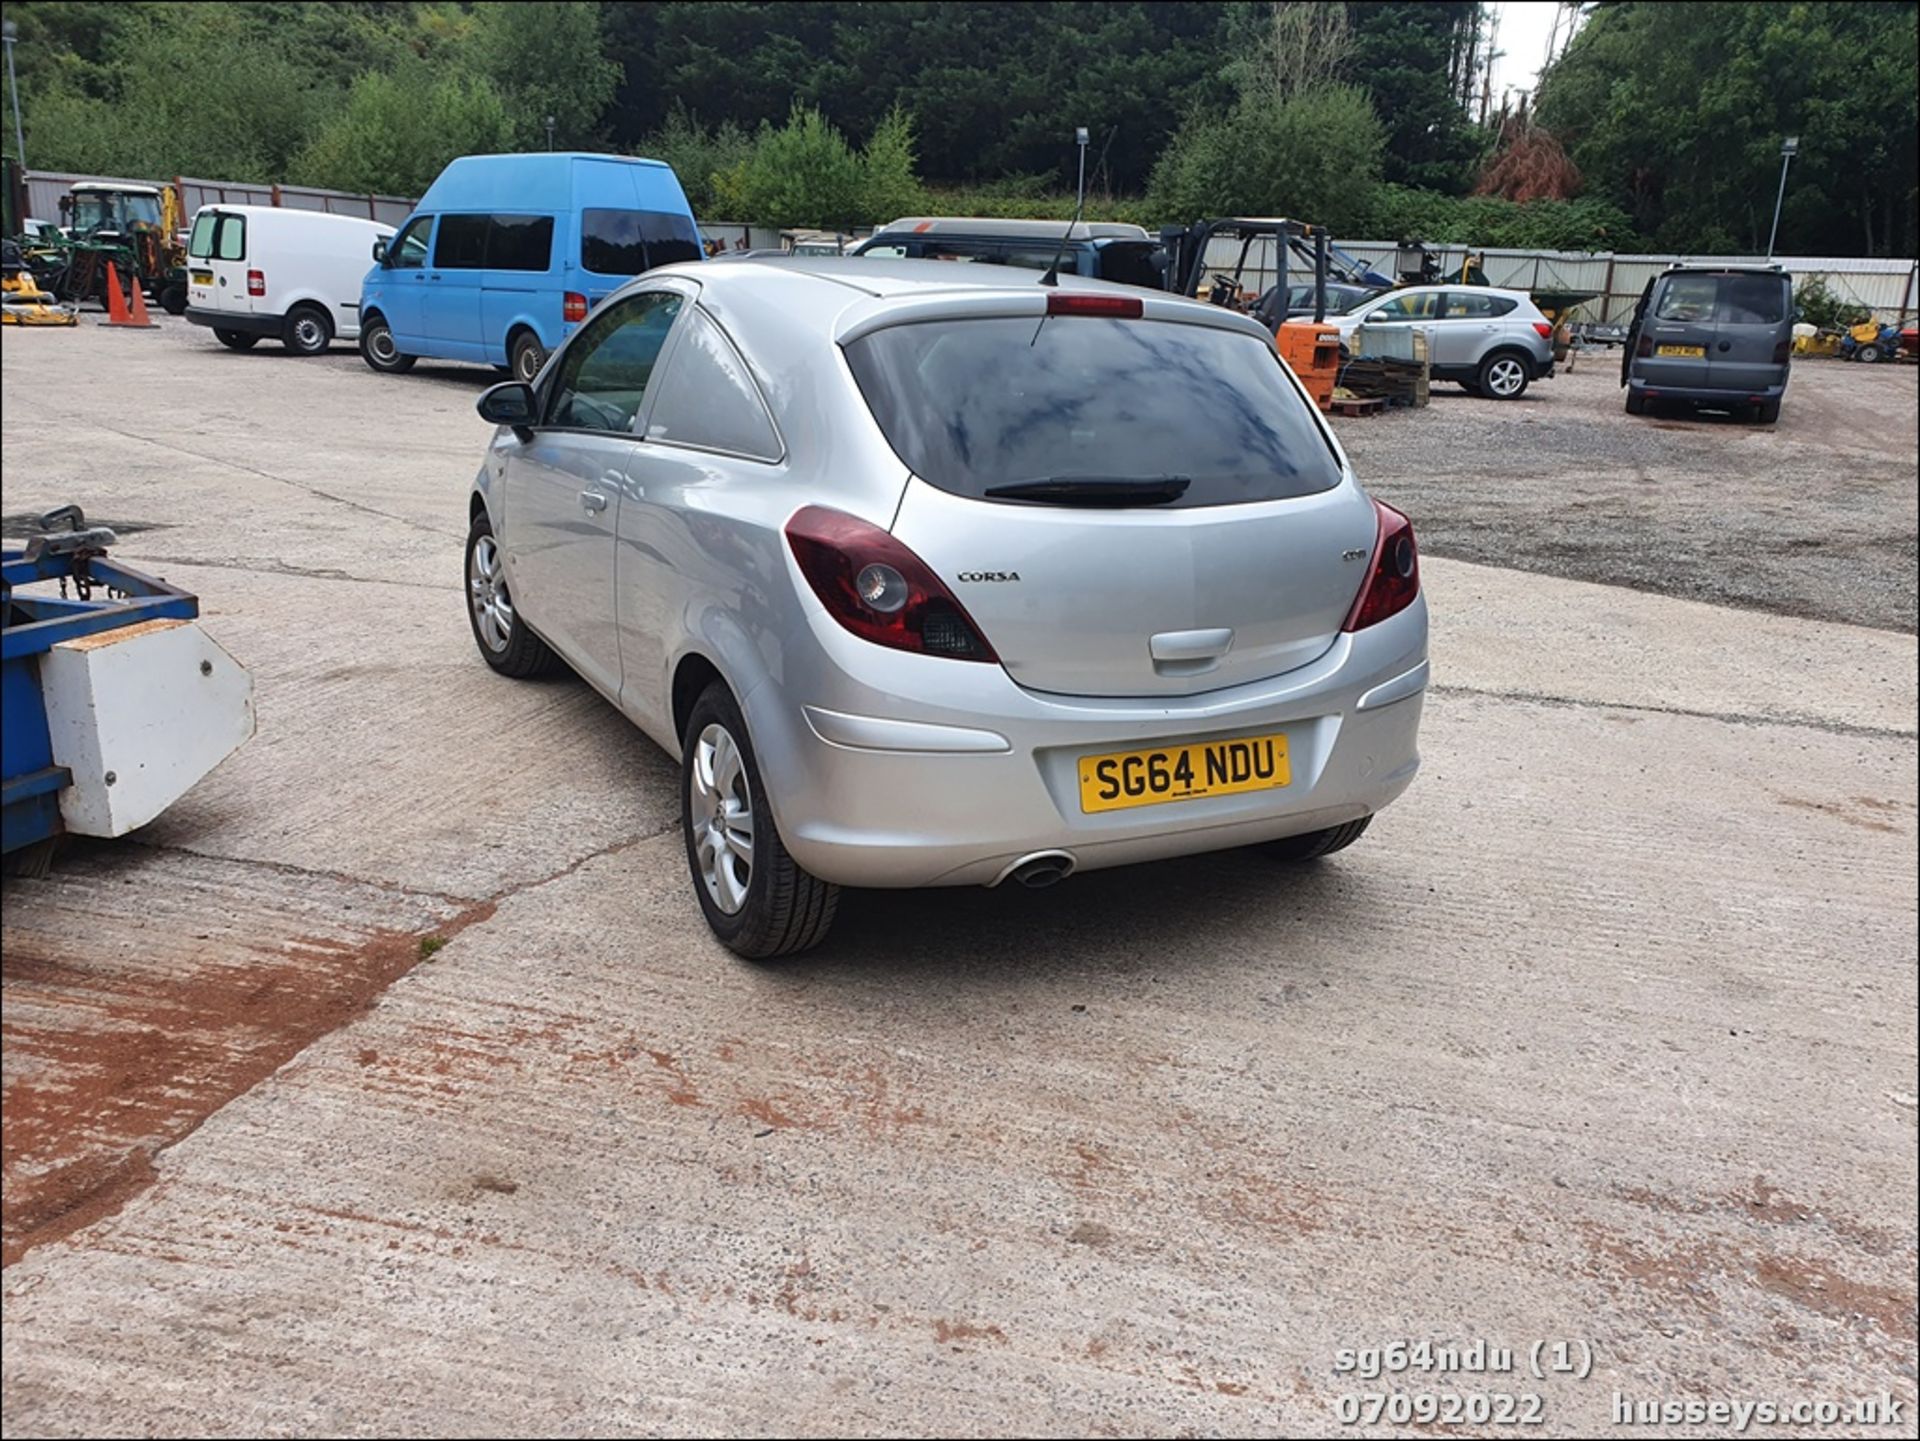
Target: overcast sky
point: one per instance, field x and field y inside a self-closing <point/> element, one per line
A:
<point x="1524" y="28"/>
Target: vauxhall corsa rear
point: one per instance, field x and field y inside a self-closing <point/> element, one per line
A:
<point x="938" y="575"/>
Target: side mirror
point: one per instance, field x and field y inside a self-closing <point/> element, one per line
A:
<point x="512" y="404"/>
<point x="380" y="252"/>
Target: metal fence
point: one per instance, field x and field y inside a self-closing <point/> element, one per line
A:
<point x="44" y="189"/>
<point x="1889" y="288"/>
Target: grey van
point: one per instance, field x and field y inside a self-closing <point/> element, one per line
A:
<point x="1099" y="249"/>
<point x="1716" y="336"/>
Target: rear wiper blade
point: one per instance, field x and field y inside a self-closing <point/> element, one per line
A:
<point x="1095" y="489"/>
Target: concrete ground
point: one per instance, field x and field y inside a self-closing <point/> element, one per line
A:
<point x="1605" y="1034"/>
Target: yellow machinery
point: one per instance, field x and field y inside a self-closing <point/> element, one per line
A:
<point x="22" y="301"/>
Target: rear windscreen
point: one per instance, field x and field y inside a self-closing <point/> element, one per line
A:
<point x="627" y="242"/>
<point x="971" y="404"/>
<point x="1729" y="299"/>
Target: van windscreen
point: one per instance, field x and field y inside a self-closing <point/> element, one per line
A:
<point x="627" y="242"/>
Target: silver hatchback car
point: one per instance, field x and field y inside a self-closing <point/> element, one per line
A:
<point x="933" y="574"/>
<point x="1495" y="343"/>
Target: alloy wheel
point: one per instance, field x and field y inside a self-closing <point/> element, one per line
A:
<point x="1505" y="377"/>
<point x="720" y="813"/>
<point x="492" y="608"/>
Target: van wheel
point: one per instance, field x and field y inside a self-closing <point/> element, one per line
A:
<point x="527" y="355"/>
<point x="173" y="299"/>
<point x="235" y="340"/>
<point x="307" y="330"/>
<point x="1636" y="403"/>
<point x="1503" y="376"/>
<point x="755" y="896"/>
<point x="379" y="351"/>
<point x="1767" y="412"/>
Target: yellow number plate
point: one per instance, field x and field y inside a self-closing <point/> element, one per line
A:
<point x="1691" y="352"/>
<point x="203" y="277"/>
<point x="1183" y="773"/>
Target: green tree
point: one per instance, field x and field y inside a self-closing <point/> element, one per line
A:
<point x="889" y="186"/>
<point x="1675" y="113"/>
<point x="697" y="153"/>
<point x="545" y="60"/>
<point x="1314" y="156"/>
<point x="399" y="129"/>
<point x="803" y="173"/>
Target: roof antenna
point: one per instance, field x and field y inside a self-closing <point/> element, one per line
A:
<point x="1052" y="277"/>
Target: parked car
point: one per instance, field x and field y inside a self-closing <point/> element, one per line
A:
<point x="262" y="272"/>
<point x="506" y="254"/>
<point x="1492" y="342"/>
<point x="1718" y="336"/>
<point x="1103" y="251"/>
<point x="933" y="575"/>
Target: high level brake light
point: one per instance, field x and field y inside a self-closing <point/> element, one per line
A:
<point x="1114" y="307"/>
<point x="878" y="589"/>
<point x="1393" y="577"/>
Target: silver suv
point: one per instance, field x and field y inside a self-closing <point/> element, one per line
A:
<point x="1493" y="342"/>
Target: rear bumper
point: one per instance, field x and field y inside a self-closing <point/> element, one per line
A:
<point x="873" y="789"/>
<point x="1703" y="395"/>
<point x="249" y="324"/>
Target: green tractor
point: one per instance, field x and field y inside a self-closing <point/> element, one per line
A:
<point x="135" y="228"/>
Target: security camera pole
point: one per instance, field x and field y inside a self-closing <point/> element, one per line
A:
<point x="1788" y="149"/>
<point x="1080" y="138"/>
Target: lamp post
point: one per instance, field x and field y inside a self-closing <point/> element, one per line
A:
<point x="549" y="132"/>
<point x="1788" y="149"/>
<point x="1080" y="138"/>
<point x="9" y="32"/>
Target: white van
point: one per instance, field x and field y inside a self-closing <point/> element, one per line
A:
<point x="257" y="271"/>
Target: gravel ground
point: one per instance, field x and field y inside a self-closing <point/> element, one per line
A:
<point x="1814" y="517"/>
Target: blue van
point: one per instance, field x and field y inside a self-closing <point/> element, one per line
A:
<point x="506" y="254"/>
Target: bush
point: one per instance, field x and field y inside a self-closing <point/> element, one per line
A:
<point x="1400" y="213"/>
<point x="698" y="155"/>
<point x="1818" y="305"/>
<point x="805" y="173"/>
<point x="1313" y="156"/>
<point x="399" y="129"/>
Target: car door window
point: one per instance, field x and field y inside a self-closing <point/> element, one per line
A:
<point x="520" y="242"/>
<point x="408" y="249"/>
<point x="461" y="243"/>
<point x="604" y="374"/>
<point x="1409" y="307"/>
<point x="230" y="240"/>
<point x="708" y="399"/>
<point x="200" y="243"/>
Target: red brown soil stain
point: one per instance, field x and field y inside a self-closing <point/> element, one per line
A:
<point x="1845" y="811"/>
<point x="1767" y="1203"/>
<point x="949" y="1332"/>
<point x="140" y="1061"/>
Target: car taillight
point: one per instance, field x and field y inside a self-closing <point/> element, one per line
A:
<point x="878" y="589"/>
<point x="1544" y="329"/>
<point x="1645" y="347"/>
<point x="1393" y="576"/>
<point x="1114" y="307"/>
<point x="573" y="307"/>
<point x="1782" y="352"/>
<point x="256" y="283"/>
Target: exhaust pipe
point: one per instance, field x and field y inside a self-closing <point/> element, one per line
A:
<point x="1040" y="869"/>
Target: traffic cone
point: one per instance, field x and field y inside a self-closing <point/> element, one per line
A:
<point x="117" y="312"/>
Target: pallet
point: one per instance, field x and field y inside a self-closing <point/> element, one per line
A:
<point x="1360" y="405"/>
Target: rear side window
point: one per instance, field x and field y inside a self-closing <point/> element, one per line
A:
<point x="708" y="400"/>
<point x="520" y="242"/>
<point x="1688" y="298"/>
<point x="977" y="403"/>
<point x="230" y="240"/>
<point x="200" y="243"/>
<point x="461" y="243"/>
<point x="1476" y="305"/>
<point x="628" y="242"/>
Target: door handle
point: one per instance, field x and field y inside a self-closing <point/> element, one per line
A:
<point x="593" y="500"/>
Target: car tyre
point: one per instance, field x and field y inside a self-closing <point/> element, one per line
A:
<point x="1767" y="412"/>
<point x="1504" y="376"/>
<point x="526" y="356"/>
<point x="378" y="349"/>
<point x="307" y="330"/>
<point x="1315" y="844"/>
<point x="505" y="642"/>
<point x="173" y="299"/>
<point x="1472" y="387"/>
<point x="1636" y="403"/>
<point x="236" y="340"/>
<point x="775" y="908"/>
